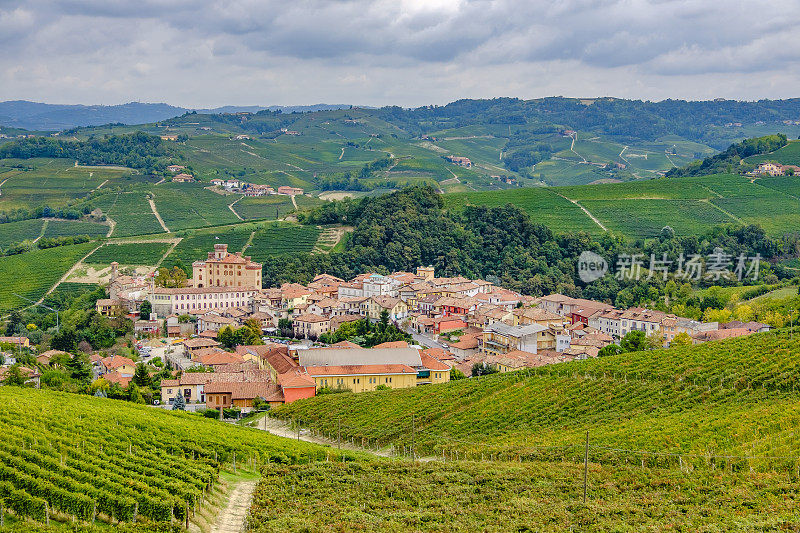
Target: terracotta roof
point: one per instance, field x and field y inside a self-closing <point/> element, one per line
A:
<point x="431" y="363"/>
<point x="345" y="344"/>
<point x="280" y="362"/>
<point x="719" y="334"/>
<point x="199" y="343"/>
<point x="218" y="357"/>
<point x="49" y="354"/>
<point x="116" y="361"/>
<point x="392" y="344"/>
<point x="311" y="317"/>
<point x="295" y="379"/>
<point x="245" y="390"/>
<point x="115" y="377"/>
<point x="353" y="370"/>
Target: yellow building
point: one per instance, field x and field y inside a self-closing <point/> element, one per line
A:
<point x="364" y="378"/>
<point x="373" y="307"/>
<point x="500" y="338"/>
<point x="223" y="269"/>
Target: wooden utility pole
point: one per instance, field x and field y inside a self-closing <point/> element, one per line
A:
<point x="339" y="431"/>
<point x="413" y="437"/>
<point x="585" y="466"/>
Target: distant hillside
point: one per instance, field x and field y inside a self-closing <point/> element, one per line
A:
<point x="55" y="117"/>
<point x="737" y="397"/>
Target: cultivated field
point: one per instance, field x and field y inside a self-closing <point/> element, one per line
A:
<point x="31" y="274"/>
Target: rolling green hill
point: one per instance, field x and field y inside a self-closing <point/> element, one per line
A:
<point x="723" y="401"/>
<point x="689" y="205"/>
<point x="105" y="460"/>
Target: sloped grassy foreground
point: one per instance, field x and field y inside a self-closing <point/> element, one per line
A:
<point x="406" y="496"/>
<point x="735" y="399"/>
<point x="94" y="459"/>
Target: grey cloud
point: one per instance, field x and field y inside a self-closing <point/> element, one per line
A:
<point x="390" y="51"/>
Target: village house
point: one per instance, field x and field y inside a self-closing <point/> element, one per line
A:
<point x="290" y="191"/>
<point x="376" y="305"/>
<point x="220" y="394"/>
<point x="175" y="168"/>
<point x="183" y="178"/>
<point x="119" y="364"/>
<point x="311" y="326"/>
<point x="460" y="161"/>
<point x="501" y="338"/>
<point x="20" y="342"/>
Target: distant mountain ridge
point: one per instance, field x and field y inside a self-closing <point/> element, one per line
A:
<point x="55" y="117"/>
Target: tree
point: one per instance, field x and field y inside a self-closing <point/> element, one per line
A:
<point x="179" y="404"/>
<point x="681" y="339"/>
<point x="145" y="309"/>
<point x="654" y="340"/>
<point x="80" y="369"/>
<point x="14" y="376"/>
<point x="134" y="394"/>
<point x="141" y="377"/>
<point x="482" y="369"/>
<point x="611" y="349"/>
<point x="634" y="341"/>
<point x="171" y="278"/>
<point x="456" y="374"/>
<point x="65" y="340"/>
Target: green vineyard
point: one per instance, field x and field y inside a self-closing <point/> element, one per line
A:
<point x="282" y="238"/>
<point x="31" y="274"/>
<point x="102" y="460"/>
<point x="532" y="496"/>
<point x="732" y="402"/>
<point x="146" y="253"/>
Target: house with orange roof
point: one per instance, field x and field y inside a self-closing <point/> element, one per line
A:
<point x="297" y="384"/>
<point x="242" y="394"/>
<point x="117" y="363"/>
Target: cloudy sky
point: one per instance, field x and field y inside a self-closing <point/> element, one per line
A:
<point x="205" y="53"/>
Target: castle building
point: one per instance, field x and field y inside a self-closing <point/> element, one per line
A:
<point x="224" y="269"/>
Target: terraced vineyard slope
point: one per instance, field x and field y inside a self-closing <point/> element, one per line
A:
<point x="103" y="460"/>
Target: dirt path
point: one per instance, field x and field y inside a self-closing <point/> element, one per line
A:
<point x="281" y="429"/>
<point x="342" y="154"/>
<point x="41" y="233"/>
<point x="111" y="225"/>
<point x="99" y="185"/>
<point x="585" y="211"/>
<point x="68" y="273"/>
<point x="166" y="254"/>
<point x="230" y="206"/>
<point x="231" y="519"/>
<point x="294" y="202"/>
<point x="155" y="212"/>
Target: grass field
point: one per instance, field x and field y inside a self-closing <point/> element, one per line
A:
<point x="196" y="245"/>
<point x="129" y="254"/>
<point x="31" y="274"/>
<point x="735" y="398"/>
<point x="53" y="182"/>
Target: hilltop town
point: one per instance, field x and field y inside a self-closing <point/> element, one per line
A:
<point x="451" y="328"/>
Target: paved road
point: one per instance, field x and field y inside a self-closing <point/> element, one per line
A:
<point x="424" y="340"/>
